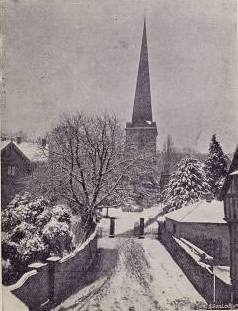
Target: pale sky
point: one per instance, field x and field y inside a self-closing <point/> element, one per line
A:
<point x="68" y="55"/>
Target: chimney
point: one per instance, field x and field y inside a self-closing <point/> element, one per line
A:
<point x="19" y="140"/>
<point x="43" y="142"/>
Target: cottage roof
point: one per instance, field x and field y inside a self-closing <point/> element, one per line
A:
<point x="201" y="212"/>
<point x="30" y="150"/>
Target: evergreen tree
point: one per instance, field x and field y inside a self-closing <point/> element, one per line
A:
<point x="215" y="166"/>
<point x="186" y="185"/>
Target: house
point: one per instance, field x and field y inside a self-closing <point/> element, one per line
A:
<point x="18" y="161"/>
<point x="229" y="195"/>
<point x="203" y="225"/>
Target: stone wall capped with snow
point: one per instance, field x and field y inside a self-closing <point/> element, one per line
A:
<point x="58" y="278"/>
<point x="212" y="238"/>
<point x="202" y="224"/>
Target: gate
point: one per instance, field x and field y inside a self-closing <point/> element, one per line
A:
<point x="140" y="230"/>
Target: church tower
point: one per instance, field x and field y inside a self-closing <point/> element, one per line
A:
<point x="141" y="132"/>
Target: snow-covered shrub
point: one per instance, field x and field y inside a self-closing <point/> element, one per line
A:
<point x="9" y="248"/>
<point x="32" y="249"/>
<point x="8" y="272"/>
<point x="132" y="208"/>
<point x="23" y="230"/>
<point x="33" y="229"/>
<point x="22" y="209"/>
<point x="43" y="218"/>
<point x="58" y="236"/>
<point x="8" y="220"/>
<point x="61" y="213"/>
<point x="188" y="184"/>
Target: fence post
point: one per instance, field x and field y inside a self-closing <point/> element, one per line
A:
<point x="52" y="262"/>
<point x="39" y="297"/>
<point x="135" y="229"/>
<point x="142" y="226"/>
<point x="112" y="227"/>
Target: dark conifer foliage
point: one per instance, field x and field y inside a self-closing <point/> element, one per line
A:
<point x="216" y="166"/>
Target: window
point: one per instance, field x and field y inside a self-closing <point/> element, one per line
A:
<point x="11" y="170"/>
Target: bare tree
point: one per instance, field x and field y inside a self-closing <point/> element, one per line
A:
<point x="168" y="155"/>
<point x="87" y="165"/>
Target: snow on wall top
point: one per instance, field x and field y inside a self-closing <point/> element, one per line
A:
<point x="31" y="150"/>
<point x="201" y="212"/>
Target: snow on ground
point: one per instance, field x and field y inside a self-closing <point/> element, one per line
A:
<point x="170" y="285"/>
<point x="133" y="274"/>
<point x="125" y="220"/>
<point x="10" y="302"/>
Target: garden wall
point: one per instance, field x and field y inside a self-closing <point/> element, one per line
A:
<point x="213" y="238"/>
<point x="199" y="276"/>
<point x="57" y="279"/>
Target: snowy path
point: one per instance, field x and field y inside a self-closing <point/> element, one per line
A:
<point x="133" y="274"/>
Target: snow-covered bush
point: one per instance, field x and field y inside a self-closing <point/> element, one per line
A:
<point x="188" y="184"/>
<point x="23" y="230"/>
<point x="62" y="213"/>
<point x="33" y="249"/>
<point x="33" y="229"/>
<point x="7" y="270"/>
<point x="22" y="209"/>
<point x="43" y="218"/>
<point x="58" y="236"/>
<point x="131" y="206"/>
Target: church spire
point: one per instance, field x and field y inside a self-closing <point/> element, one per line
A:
<point x="142" y="110"/>
<point x="141" y="133"/>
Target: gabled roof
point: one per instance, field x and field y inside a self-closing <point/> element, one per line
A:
<point x="201" y="212"/>
<point x="232" y="171"/>
<point x="31" y="151"/>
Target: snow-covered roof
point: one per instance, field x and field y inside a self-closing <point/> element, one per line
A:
<point x="4" y="143"/>
<point x="201" y="212"/>
<point x="31" y="150"/>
